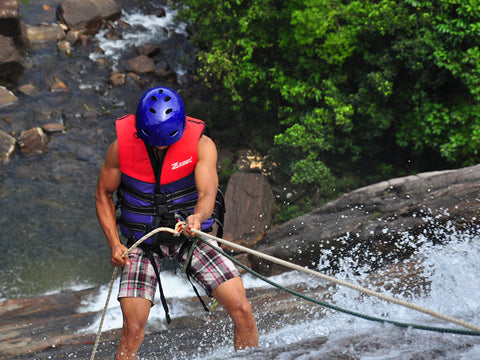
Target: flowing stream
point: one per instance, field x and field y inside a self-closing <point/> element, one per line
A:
<point x="51" y="241"/>
<point x="442" y="278"/>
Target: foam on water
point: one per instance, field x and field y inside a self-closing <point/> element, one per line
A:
<point x="144" y="29"/>
<point x="451" y="271"/>
<point x="453" y="290"/>
<point x="177" y="285"/>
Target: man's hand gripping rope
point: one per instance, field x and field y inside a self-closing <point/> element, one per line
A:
<point x="179" y="228"/>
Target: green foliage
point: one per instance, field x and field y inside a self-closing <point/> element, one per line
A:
<point x="330" y="86"/>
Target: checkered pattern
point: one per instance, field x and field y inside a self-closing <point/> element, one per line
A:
<point x="208" y="267"/>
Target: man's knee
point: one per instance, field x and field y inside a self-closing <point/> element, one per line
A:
<point x="133" y="327"/>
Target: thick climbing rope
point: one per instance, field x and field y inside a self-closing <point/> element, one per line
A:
<point x="176" y="232"/>
<point x="364" y="290"/>
<point x="339" y="309"/>
<point x="201" y="235"/>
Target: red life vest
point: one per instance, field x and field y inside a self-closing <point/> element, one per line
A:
<point x="180" y="159"/>
<point x="144" y="204"/>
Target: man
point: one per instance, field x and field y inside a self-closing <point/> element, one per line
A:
<point x="163" y="164"/>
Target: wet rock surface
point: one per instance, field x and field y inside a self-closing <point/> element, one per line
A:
<point x="49" y="326"/>
<point x="375" y="222"/>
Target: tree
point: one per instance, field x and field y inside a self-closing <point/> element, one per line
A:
<point x="347" y="85"/>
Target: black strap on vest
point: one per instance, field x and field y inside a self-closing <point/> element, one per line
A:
<point x="157" y="164"/>
<point x="161" y="207"/>
<point x="149" y="249"/>
<point x="160" y="288"/>
<point x="186" y="269"/>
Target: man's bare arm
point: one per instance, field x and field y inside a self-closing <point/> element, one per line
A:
<point x="206" y="180"/>
<point x="108" y="182"/>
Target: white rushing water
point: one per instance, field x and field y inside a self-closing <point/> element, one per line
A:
<point x="451" y="271"/>
<point x="144" y="29"/>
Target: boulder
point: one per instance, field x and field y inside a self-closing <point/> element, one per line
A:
<point x="57" y="85"/>
<point x="7" y="97"/>
<point x="33" y="141"/>
<point x="7" y="147"/>
<point x="45" y="33"/>
<point x="53" y="128"/>
<point x="10" y="24"/>
<point x="141" y="65"/>
<point x="249" y="204"/>
<point x="377" y="224"/>
<point x="23" y="319"/>
<point x="148" y="49"/>
<point x="87" y="15"/>
<point x="12" y="63"/>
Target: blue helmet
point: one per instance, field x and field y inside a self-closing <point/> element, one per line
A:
<point x="160" y="118"/>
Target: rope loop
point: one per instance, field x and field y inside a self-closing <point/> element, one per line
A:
<point x="179" y="226"/>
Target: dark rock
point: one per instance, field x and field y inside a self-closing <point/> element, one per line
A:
<point x="53" y="316"/>
<point x="372" y="222"/>
<point x="33" y="141"/>
<point x="148" y="49"/>
<point x="12" y="63"/>
<point x="157" y="12"/>
<point x="10" y="24"/>
<point x="249" y="204"/>
<point x="87" y="15"/>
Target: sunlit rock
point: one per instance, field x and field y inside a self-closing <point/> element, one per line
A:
<point x="7" y="147"/>
<point x="33" y="141"/>
<point x="141" y="65"/>
<point x="87" y="15"/>
<point x="249" y="204"/>
<point x="53" y="128"/>
<point x="57" y="85"/>
<point x="45" y="33"/>
<point x="28" y="89"/>
<point x="117" y="79"/>
<point x="7" y="97"/>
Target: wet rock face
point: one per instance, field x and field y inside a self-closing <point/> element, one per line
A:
<point x="250" y="204"/>
<point x="12" y="42"/>
<point x="377" y="224"/>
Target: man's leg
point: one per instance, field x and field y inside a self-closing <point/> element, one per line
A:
<point x="231" y="294"/>
<point x="135" y="314"/>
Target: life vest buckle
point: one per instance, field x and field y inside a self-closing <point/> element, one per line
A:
<point x="161" y="210"/>
<point x="159" y="199"/>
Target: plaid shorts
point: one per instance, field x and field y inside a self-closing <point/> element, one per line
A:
<point x="208" y="267"/>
